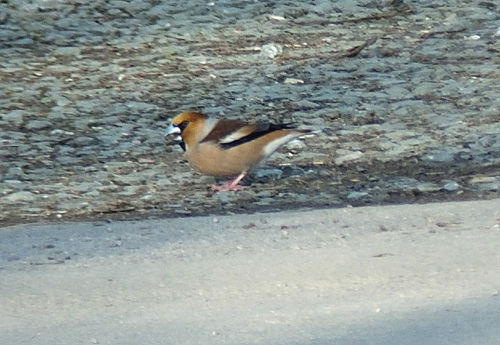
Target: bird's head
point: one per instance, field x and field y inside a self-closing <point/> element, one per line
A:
<point x="183" y="126"/>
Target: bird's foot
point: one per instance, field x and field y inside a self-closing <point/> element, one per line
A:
<point x="230" y="185"/>
<point x="227" y="187"/>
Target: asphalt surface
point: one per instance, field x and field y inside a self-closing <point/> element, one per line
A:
<point x="414" y="274"/>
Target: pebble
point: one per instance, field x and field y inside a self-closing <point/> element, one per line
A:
<point x="23" y="196"/>
<point x="38" y="124"/>
<point x="270" y="51"/>
<point x="13" y="182"/>
<point x="3" y="17"/>
<point x="486" y="183"/>
<point x="15" y="117"/>
<point x="356" y="195"/>
<point x="64" y="51"/>
<point x="450" y="186"/>
<point x="482" y="179"/>
<point x="267" y="173"/>
<point x="83" y="187"/>
<point x="293" y="81"/>
<point x="223" y="197"/>
<point x="441" y="156"/>
<point x="428" y="187"/>
<point x="15" y="172"/>
<point x="296" y="145"/>
<point x="85" y="141"/>
<point x="345" y="157"/>
<point x="130" y="190"/>
<point x="307" y="104"/>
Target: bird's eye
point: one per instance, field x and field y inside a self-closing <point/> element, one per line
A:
<point x="182" y="126"/>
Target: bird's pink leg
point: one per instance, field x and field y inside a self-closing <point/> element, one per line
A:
<point x="230" y="185"/>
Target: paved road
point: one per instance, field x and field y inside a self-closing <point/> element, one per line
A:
<point x="417" y="274"/>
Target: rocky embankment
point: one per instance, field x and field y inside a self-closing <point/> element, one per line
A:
<point x="403" y="96"/>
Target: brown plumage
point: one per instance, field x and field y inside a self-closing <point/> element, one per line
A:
<point x="228" y="148"/>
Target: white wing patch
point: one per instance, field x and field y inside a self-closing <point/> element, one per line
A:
<point x="276" y="144"/>
<point x="234" y="136"/>
<point x="210" y="123"/>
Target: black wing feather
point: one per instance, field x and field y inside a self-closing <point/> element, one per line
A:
<point x="261" y="130"/>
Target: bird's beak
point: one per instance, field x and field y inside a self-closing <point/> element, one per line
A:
<point x="174" y="133"/>
<point x="172" y="130"/>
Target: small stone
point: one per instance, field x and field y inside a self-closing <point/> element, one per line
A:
<point x="64" y="51"/>
<point x="348" y="158"/>
<point x="450" y="186"/>
<point x="269" y="173"/>
<point x="276" y="18"/>
<point x="85" y="141"/>
<point x="356" y="195"/>
<point x="15" y="117"/>
<point x="482" y="179"/>
<point x="293" y="81"/>
<point x="57" y="113"/>
<point x="486" y="183"/>
<point x="3" y="17"/>
<point x="125" y="180"/>
<point x="23" y="196"/>
<point x="35" y="210"/>
<point x="264" y="202"/>
<point x="307" y="104"/>
<point x="264" y="194"/>
<point x="472" y="38"/>
<point x="165" y="182"/>
<point x="442" y="156"/>
<point x="82" y="187"/>
<point x="38" y="124"/>
<point x="60" y="131"/>
<point x="11" y="181"/>
<point x="296" y="145"/>
<point x="140" y="106"/>
<point x="270" y="51"/>
<point x="428" y="187"/>
<point x="15" y="172"/>
<point x="223" y="197"/>
<point x="131" y="190"/>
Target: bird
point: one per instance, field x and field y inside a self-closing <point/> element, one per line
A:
<point x="228" y="148"/>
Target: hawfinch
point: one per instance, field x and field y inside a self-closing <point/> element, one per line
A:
<point x="228" y="148"/>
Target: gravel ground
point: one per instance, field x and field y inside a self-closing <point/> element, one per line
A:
<point x="404" y="96"/>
